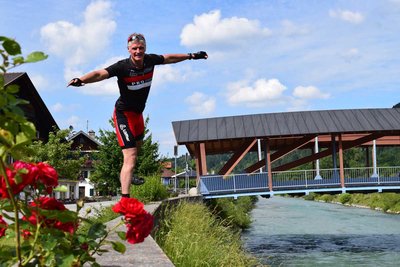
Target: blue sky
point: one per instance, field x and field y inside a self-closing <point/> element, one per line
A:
<point x="264" y="56"/>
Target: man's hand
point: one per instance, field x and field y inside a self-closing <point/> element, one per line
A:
<point x="199" y="55"/>
<point x="76" y="82"/>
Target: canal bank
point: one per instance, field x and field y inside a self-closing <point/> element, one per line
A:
<point x="296" y="232"/>
<point x="145" y="254"/>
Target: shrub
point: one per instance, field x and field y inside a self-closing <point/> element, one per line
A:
<point x="326" y="198"/>
<point x="344" y="198"/>
<point x="310" y="196"/>
<point x="151" y="190"/>
<point x="234" y="211"/>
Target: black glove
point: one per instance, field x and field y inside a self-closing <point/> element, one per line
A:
<point x="76" y="82"/>
<point x="198" y="55"/>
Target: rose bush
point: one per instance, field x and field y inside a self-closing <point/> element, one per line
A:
<point x="35" y="228"/>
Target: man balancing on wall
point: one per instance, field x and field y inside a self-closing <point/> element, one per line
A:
<point x="134" y="80"/>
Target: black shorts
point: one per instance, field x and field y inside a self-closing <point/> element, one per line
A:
<point x="129" y="127"/>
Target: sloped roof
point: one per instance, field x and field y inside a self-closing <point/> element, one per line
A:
<point x="85" y="140"/>
<point x="221" y="132"/>
<point x="36" y="110"/>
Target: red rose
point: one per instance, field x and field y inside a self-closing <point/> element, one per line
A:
<point x="128" y="206"/>
<point x="3" y="226"/>
<point x="48" y="203"/>
<point x="48" y="176"/>
<point x="17" y="179"/>
<point x="139" y="227"/>
<point x="138" y="221"/>
<point x="26" y="233"/>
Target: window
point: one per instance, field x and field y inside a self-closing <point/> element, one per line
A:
<point x="85" y="174"/>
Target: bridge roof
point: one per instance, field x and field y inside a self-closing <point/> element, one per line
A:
<point x="225" y="134"/>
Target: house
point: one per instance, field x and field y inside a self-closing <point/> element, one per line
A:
<point x="166" y="175"/>
<point x="89" y="146"/>
<point x="37" y="113"/>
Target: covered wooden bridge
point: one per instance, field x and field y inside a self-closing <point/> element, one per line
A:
<point x="326" y="132"/>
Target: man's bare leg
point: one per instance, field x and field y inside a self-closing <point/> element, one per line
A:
<point x="135" y="179"/>
<point x="128" y="166"/>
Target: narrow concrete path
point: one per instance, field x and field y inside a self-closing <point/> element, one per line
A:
<point x="146" y="254"/>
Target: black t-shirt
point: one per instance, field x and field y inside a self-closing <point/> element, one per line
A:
<point x="134" y="84"/>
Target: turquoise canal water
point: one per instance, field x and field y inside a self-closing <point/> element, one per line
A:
<point x="296" y="232"/>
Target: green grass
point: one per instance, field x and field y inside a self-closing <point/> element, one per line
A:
<point x="151" y="190"/>
<point x="101" y="215"/>
<point x="235" y="211"/>
<point x="388" y="202"/>
<point x="192" y="236"/>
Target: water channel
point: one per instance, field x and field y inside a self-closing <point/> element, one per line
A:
<point x="296" y="232"/>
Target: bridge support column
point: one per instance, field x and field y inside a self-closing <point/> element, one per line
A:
<point x="259" y="152"/>
<point x="341" y="165"/>
<point x="375" y="172"/>
<point x="334" y="162"/>
<point x="268" y="163"/>
<point x="201" y="163"/>
<point x="316" y="150"/>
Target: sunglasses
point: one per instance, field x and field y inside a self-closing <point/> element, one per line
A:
<point x="137" y="37"/>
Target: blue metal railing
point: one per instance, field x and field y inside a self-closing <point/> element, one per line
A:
<point x="299" y="180"/>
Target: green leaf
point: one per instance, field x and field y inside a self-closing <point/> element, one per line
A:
<point x="35" y="56"/>
<point x="11" y="47"/>
<point x="66" y="261"/>
<point x="22" y="138"/>
<point x="119" y="247"/>
<point x="6" y="138"/>
<point x="61" y="215"/>
<point x="121" y="235"/>
<point x="18" y="60"/>
<point x="97" y="230"/>
<point x="12" y="89"/>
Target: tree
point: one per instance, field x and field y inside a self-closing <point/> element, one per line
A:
<point x="57" y="152"/>
<point x="108" y="163"/>
<point x="148" y="162"/>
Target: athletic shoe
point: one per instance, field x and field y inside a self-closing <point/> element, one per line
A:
<point x="137" y="180"/>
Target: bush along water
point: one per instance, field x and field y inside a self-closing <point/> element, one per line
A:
<point x="191" y="235"/>
<point x="387" y="202"/>
<point x="35" y="228"/>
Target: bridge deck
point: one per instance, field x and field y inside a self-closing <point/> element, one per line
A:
<point x="303" y="181"/>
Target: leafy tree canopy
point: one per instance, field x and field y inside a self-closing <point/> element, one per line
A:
<point x="57" y="152"/>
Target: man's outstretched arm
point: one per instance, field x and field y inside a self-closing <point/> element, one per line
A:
<point x="174" y="58"/>
<point x="91" y="77"/>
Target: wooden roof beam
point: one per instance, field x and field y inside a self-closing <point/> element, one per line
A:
<point x="328" y="152"/>
<point x="237" y="157"/>
<point x="280" y="153"/>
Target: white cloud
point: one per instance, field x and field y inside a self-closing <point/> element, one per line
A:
<point x="291" y="29"/>
<point x="346" y="15"/>
<point x="309" y="92"/>
<point x="39" y="81"/>
<point x="167" y="73"/>
<point x="78" y="44"/>
<point x="351" y="54"/>
<point x="106" y="87"/>
<point x="261" y="93"/>
<point x="200" y="103"/>
<point x="57" y="107"/>
<point x="74" y="121"/>
<point x="210" y="29"/>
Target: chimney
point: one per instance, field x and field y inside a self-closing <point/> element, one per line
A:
<point x="92" y="134"/>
